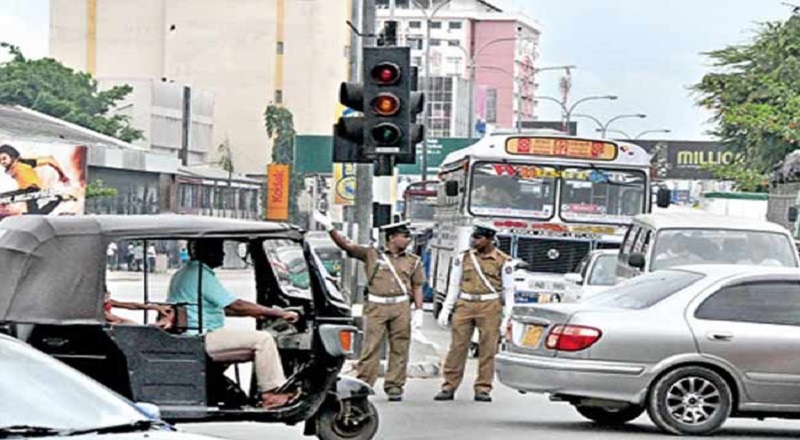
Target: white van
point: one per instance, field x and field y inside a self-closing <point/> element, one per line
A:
<point x="669" y="239"/>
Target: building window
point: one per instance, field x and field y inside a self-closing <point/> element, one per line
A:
<point x="436" y="25"/>
<point x="415" y="43"/>
<point x="382" y="4"/>
<point x="403" y="4"/>
<point x="415" y="24"/>
<point x="491" y="105"/>
<point x="416" y="61"/>
<point x="453" y="43"/>
<point x="436" y="42"/>
<point x="454" y="25"/>
<point x="279" y="48"/>
<point x="278" y="96"/>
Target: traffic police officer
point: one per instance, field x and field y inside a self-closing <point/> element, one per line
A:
<point x="393" y="276"/>
<point x="480" y="283"/>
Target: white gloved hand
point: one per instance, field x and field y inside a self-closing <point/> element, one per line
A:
<point x="444" y="316"/>
<point x="416" y="319"/>
<point x="324" y="220"/>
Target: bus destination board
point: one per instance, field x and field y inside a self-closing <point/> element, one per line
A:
<point x="560" y="147"/>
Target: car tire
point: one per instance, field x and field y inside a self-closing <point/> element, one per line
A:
<point x="610" y="416"/>
<point x="690" y="401"/>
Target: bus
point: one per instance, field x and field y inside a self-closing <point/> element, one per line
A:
<point x="552" y="197"/>
<point x="419" y="202"/>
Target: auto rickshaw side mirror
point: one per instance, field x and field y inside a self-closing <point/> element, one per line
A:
<point x="791" y="214"/>
<point x="451" y="188"/>
<point x="636" y="260"/>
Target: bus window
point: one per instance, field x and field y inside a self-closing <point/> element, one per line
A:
<point x="513" y="190"/>
<point x="602" y="196"/>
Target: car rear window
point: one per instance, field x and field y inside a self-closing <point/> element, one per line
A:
<point x="647" y="290"/>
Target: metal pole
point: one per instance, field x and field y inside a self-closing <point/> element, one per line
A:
<point x="426" y="89"/>
<point x="471" y="119"/>
<point x="363" y="206"/>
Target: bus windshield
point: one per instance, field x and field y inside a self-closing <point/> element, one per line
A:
<point x="513" y="190"/>
<point x="601" y="196"/>
<point x="420" y="207"/>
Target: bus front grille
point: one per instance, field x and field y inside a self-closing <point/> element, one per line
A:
<point x="552" y="256"/>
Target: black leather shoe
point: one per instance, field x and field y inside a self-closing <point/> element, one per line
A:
<point x="483" y="397"/>
<point x="395" y="395"/>
<point x="445" y="395"/>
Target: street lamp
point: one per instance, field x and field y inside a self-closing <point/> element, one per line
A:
<point x="662" y="130"/>
<point x="567" y="111"/>
<point x="426" y="113"/>
<point x="611" y="130"/>
<point x="604" y="126"/>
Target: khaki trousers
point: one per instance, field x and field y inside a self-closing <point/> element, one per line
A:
<point x="486" y="316"/>
<point x="267" y="363"/>
<point x="394" y="319"/>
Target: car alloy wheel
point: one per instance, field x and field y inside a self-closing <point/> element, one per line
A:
<point x="690" y="400"/>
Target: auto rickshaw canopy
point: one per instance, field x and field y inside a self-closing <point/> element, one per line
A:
<point x="52" y="269"/>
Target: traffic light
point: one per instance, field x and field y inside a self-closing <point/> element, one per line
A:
<point x="348" y="133"/>
<point x="388" y="103"/>
<point x="416" y="131"/>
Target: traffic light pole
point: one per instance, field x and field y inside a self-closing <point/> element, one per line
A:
<point x="363" y="203"/>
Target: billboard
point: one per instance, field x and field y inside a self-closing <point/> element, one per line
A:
<point x="41" y="178"/>
<point x="690" y="159"/>
<point x="344" y="184"/>
<point x="277" y="192"/>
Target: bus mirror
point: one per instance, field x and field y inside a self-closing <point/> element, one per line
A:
<point x="791" y="215"/>
<point x="636" y="260"/>
<point x="663" y="197"/>
<point x="451" y="188"/>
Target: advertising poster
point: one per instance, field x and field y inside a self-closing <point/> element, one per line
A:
<point x="41" y="178"/>
<point x="344" y="184"/>
<point x="277" y="192"/>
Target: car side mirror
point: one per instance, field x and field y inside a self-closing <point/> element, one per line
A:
<point x="574" y="278"/>
<point x="663" y="197"/>
<point x="636" y="260"/>
<point x="451" y="188"/>
<point x="150" y="410"/>
<point x="791" y="214"/>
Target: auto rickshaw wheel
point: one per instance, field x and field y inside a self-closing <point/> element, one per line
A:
<point x="355" y="419"/>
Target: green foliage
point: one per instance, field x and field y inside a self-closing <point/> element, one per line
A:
<point x="47" y="86"/>
<point x="279" y="123"/>
<point x="98" y="189"/>
<point x="744" y="178"/>
<point x="225" y="157"/>
<point x="754" y="95"/>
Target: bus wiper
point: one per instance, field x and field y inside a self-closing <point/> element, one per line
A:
<point x="28" y="431"/>
<point x="135" y="426"/>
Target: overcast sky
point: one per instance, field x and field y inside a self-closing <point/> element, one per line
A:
<point x="646" y="52"/>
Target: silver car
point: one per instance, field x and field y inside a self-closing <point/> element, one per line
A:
<point x="692" y="346"/>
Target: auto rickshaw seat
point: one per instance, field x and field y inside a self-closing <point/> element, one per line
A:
<point x="232" y="356"/>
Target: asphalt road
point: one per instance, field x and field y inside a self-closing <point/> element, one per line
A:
<point x="511" y="415"/>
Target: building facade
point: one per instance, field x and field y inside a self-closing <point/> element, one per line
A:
<point x="504" y="48"/>
<point x="247" y="53"/>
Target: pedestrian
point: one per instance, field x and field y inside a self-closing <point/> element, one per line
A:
<point x="111" y="255"/>
<point x="151" y="258"/>
<point x="393" y="277"/>
<point x="481" y="281"/>
<point x="138" y="256"/>
<point x="129" y="257"/>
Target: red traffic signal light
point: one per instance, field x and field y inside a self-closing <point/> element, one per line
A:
<point x="386" y="134"/>
<point x="386" y="104"/>
<point x="386" y="74"/>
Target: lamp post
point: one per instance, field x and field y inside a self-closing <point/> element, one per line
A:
<point x="603" y="127"/>
<point x="611" y="130"/>
<point x="661" y="130"/>
<point x="567" y="111"/>
<point x="426" y="112"/>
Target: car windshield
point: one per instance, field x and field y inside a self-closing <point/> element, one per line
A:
<point x="677" y="247"/>
<point x="604" y="271"/>
<point x="601" y="196"/>
<point x="39" y="391"/>
<point x="645" y="291"/>
<point x="513" y="190"/>
<point x="420" y="208"/>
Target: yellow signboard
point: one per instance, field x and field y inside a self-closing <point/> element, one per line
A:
<point x="567" y="148"/>
<point x="344" y="184"/>
<point x="278" y="192"/>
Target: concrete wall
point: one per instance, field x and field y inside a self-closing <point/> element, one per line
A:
<point x="500" y="55"/>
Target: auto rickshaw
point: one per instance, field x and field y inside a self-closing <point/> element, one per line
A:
<point x="53" y="276"/>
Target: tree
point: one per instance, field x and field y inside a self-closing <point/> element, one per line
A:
<point x="754" y="96"/>
<point x="280" y="126"/>
<point x="226" y="157"/>
<point x="47" y="86"/>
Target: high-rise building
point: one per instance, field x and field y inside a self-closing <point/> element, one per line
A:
<point x="504" y="48"/>
<point x="246" y="53"/>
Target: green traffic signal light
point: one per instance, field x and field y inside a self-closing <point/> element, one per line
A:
<point x="386" y="134"/>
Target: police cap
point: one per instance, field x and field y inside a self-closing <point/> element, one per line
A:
<point x="484" y="230"/>
<point x="396" y="228"/>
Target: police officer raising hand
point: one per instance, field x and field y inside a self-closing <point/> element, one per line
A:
<point x="393" y="277"/>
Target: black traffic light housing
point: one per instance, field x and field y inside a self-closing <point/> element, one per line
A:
<point x="387" y="93"/>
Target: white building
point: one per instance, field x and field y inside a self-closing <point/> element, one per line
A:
<point x="503" y="46"/>
<point x="247" y="53"/>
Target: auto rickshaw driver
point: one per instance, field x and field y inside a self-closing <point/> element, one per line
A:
<point x="206" y="255"/>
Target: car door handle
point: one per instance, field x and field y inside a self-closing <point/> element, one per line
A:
<point x="720" y="336"/>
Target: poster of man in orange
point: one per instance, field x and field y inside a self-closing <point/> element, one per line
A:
<point x="278" y="192"/>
